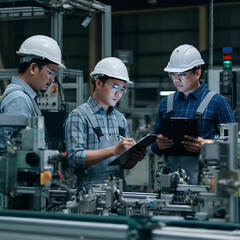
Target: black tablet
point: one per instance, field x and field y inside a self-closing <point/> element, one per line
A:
<point x="127" y="155"/>
<point x="175" y="129"/>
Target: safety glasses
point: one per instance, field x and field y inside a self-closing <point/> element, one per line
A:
<point x="183" y="76"/>
<point x="116" y="87"/>
<point x="50" y="73"/>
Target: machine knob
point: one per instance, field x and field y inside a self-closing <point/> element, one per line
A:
<point x="45" y="177"/>
<point x="32" y="159"/>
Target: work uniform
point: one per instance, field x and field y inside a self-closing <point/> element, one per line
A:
<point x="21" y="101"/>
<point x="216" y="112"/>
<point x="81" y="137"/>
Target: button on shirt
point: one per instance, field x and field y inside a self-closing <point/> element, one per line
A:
<point x="218" y="111"/>
<point x="18" y="102"/>
<point x="80" y="136"/>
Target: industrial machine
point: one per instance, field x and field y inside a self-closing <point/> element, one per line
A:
<point x="27" y="166"/>
<point x="216" y="198"/>
<point x="30" y="180"/>
<point x="29" y="169"/>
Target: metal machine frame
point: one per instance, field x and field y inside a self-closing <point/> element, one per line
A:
<point x="57" y="18"/>
<point x="57" y="32"/>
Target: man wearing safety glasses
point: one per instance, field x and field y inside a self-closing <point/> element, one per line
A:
<point x="39" y="59"/>
<point x="95" y="132"/>
<point x="184" y="69"/>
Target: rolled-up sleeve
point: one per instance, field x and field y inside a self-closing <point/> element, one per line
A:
<point x="75" y="135"/>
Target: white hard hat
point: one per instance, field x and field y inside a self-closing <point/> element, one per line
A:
<point x="111" y="67"/>
<point x="183" y="58"/>
<point x="40" y="46"/>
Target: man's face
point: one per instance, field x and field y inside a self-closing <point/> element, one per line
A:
<point x="186" y="82"/>
<point x="44" y="77"/>
<point x="111" y="92"/>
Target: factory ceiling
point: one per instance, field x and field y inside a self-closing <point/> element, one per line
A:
<point x="120" y="5"/>
<point x="124" y="5"/>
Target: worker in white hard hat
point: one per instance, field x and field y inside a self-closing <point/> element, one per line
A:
<point x="95" y="132"/>
<point x="39" y="59"/>
<point x="184" y="69"/>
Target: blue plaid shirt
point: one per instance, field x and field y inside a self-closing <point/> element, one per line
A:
<point x="218" y="111"/>
<point x="80" y="136"/>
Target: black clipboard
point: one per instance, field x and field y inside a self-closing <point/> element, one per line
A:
<point x="127" y="155"/>
<point x="175" y="129"/>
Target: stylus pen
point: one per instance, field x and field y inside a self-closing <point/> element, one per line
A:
<point x="121" y="137"/>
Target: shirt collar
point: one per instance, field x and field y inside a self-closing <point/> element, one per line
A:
<point x="24" y="85"/>
<point x="196" y="93"/>
<point x="96" y="106"/>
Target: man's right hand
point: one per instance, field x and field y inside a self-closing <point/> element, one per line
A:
<point x="164" y="143"/>
<point x="124" y="145"/>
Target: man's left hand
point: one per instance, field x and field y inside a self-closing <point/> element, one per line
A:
<point x="194" y="144"/>
<point x="136" y="157"/>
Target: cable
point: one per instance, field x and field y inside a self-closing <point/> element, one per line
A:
<point x="61" y="95"/>
<point x="55" y="202"/>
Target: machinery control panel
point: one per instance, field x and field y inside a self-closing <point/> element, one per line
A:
<point x="49" y="100"/>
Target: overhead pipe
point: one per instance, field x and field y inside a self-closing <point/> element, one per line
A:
<point x="87" y="5"/>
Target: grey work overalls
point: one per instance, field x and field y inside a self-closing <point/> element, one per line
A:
<point x="189" y="163"/>
<point x="98" y="173"/>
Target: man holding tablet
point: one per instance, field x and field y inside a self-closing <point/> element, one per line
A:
<point x="96" y="133"/>
<point x="193" y="101"/>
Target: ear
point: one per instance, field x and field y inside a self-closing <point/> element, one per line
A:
<point x="98" y="83"/>
<point x="198" y="73"/>
<point x="32" y="68"/>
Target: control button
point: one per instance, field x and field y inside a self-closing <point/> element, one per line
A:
<point x="45" y="178"/>
<point x="54" y="89"/>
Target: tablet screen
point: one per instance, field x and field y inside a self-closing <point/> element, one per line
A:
<point x="175" y="129"/>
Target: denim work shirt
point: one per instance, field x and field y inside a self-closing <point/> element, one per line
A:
<point x="18" y="102"/>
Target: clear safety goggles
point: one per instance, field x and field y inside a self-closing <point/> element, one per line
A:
<point x="116" y="87"/>
<point x="50" y="73"/>
<point x="182" y="75"/>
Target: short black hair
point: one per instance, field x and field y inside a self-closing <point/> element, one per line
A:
<point x="196" y="67"/>
<point x="102" y="79"/>
<point x="22" y="67"/>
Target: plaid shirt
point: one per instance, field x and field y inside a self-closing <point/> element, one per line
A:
<point x="80" y="136"/>
<point x="218" y="111"/>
